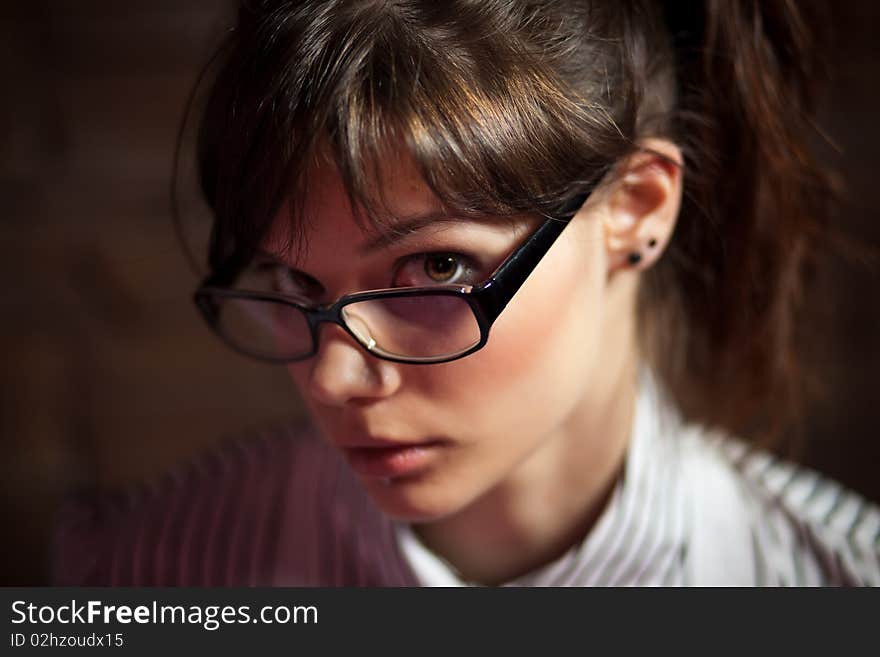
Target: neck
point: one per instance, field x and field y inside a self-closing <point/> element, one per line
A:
<point x="554" y="498"/>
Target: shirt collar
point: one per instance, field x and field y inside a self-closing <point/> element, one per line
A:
<point x="640" y="537"/>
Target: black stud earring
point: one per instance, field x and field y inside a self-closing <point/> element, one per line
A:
<point x="652" y="243"/>
<point x="634" y="258"/>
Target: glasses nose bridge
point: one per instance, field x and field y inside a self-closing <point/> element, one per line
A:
<point x="331" y="313"/>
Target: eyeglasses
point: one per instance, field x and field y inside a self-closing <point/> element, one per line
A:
<point x="435" y="324"/>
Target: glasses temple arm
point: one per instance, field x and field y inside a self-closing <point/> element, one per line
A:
<point x="497" y="292"/>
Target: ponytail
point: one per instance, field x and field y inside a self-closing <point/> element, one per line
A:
<point x="727" y="296"/>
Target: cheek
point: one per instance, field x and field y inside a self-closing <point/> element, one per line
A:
<point x="540" y="352"/>
<point x="554" y="316"/>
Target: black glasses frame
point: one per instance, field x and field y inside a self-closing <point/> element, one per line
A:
<point x="487" y="300"/>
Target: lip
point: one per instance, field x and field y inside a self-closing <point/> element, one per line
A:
<point x="387" y="459"/>
<point x="379" y="442"/>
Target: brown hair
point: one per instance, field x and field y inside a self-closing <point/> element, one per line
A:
<point x="511" y="107"/>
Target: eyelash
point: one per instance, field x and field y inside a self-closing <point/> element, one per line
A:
<point x="467" y="267"/>
<point x="278" y="275"/>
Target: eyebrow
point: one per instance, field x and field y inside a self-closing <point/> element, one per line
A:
<point x="403" y="229"/>
<point x="395" y="233"/>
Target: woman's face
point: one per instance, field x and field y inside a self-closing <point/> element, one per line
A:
<point x="428" y="440"/>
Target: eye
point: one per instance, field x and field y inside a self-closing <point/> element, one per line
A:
<point x="435" y="269"/>
<point x="273" y="277"/>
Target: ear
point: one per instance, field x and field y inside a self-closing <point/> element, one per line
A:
<point x="642" y="205"/>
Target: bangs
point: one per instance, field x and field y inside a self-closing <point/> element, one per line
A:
<point x="470" y="96"/>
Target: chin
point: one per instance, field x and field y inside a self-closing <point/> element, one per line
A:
<point x="412" y="499"/>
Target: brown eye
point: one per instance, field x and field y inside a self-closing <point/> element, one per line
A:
<point x="426" y="269"/>
<point x="441" y="268"/>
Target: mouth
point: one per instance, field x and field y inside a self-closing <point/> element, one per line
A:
<point x="384" y="459"/>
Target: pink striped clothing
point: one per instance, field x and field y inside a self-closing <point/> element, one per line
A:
<point x="281" y="508"/>
<point x="275" y="509"/>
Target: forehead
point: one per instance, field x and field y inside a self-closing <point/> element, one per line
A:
<point x="325" y="207"/>
<point x="395" y="190"/>
<point x="326" y="217"/>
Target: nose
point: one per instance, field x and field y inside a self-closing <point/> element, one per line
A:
<point x="343" y="372"/>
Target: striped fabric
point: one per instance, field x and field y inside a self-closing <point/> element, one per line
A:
<point x="275" y="509"/>
<point x="281" y="508"/>
<point x="699" y="509"/>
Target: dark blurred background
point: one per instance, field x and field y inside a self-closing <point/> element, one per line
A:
<point x="109" y="377"/>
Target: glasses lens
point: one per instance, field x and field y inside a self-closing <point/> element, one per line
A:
<point x="264" y="328"/>
<point x="418" y="327"/>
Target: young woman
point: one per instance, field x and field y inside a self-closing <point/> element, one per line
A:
<point x="533" y="266"/>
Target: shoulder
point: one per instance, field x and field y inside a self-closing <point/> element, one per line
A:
<point x="800" y="528"/>
<point x="255" y="510"/>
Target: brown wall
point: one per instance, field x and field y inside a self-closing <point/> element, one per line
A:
<point x="108" y="374"/>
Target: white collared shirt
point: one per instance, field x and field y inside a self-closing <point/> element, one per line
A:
<point x="697" y="508"/>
